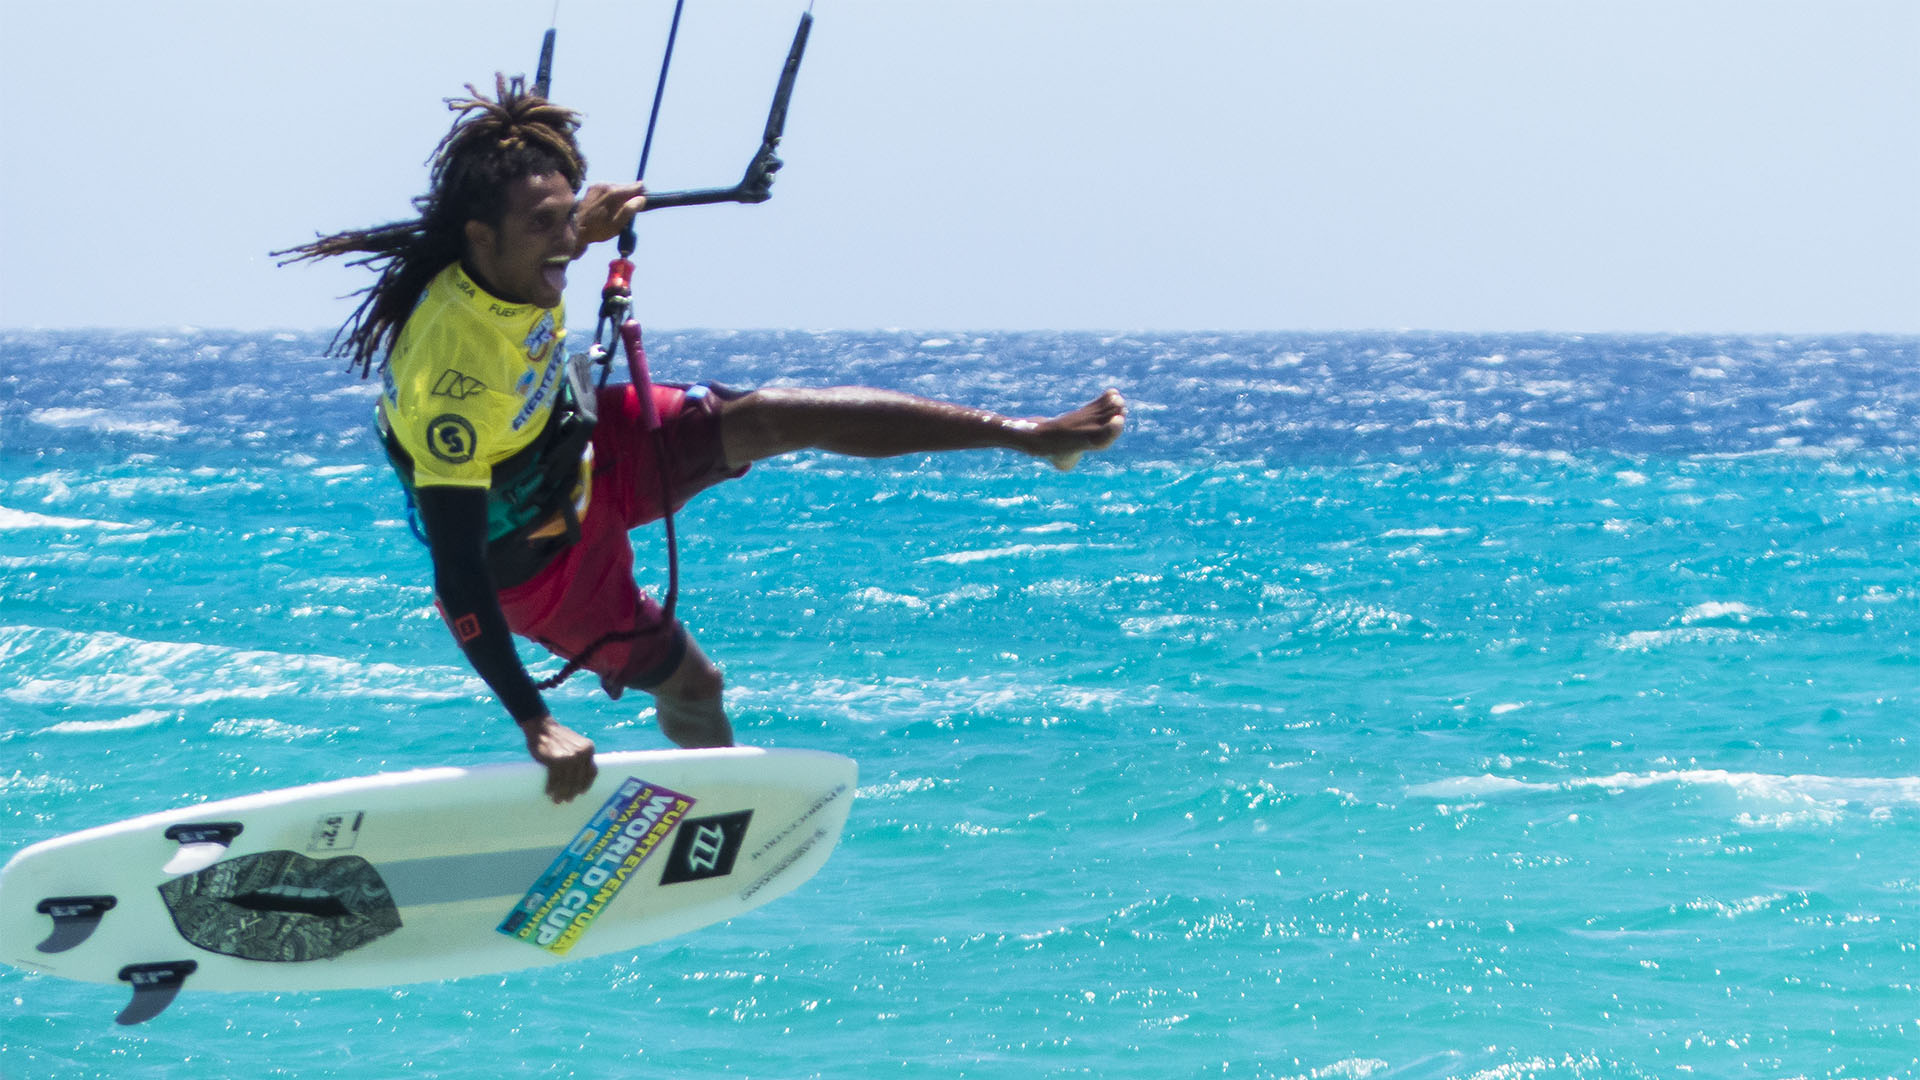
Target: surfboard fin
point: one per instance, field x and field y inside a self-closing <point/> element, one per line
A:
<point x="154" y="988"/>
<point x="75" y="918"/>
<point x="201" y="844"/>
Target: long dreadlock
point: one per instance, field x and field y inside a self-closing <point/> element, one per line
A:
<point x="492" y="144"/>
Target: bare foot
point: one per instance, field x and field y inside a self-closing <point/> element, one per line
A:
<point x="1093" y="426"/>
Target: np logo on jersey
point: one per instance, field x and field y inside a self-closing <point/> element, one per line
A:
<point x="706" y="847"/>
<point x="457" y="386"/>
<point x="450" y="438"/>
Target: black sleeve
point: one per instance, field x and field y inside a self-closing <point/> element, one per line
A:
<point x="455" y="521"/>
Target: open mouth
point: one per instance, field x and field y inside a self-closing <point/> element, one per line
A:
<point x="554" y="272"/>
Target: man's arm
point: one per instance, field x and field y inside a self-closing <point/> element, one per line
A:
<point x="455" y="521"/>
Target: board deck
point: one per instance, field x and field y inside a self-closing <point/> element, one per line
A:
<point x="423" y="875"/>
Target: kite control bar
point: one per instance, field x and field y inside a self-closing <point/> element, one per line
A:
<point x="754" y="187"/>
<point x="757" y="185"/>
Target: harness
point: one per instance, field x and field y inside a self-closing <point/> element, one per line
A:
<point x="530" y="489"/>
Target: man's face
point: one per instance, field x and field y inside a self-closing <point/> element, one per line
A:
<point x="524" y="260"/>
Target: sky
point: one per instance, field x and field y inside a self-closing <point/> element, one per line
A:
<point x="1692" y="166"/>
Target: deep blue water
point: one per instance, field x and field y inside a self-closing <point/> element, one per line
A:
<point x="1384" y="705"/>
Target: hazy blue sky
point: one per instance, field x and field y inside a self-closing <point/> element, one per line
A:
<point x="1724" y="165"/>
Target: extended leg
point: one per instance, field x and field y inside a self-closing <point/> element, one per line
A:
<point x="864" y="422"/>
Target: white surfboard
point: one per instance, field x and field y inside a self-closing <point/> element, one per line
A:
<point x="423" y="875"/>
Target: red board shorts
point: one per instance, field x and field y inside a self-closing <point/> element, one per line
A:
<point x="587" y="593"/>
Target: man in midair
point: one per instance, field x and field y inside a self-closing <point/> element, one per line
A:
<point x="526" y="481"/>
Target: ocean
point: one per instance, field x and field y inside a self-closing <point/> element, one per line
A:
<point x="1382" y="705"/>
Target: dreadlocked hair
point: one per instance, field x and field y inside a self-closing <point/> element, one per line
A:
<point x="492" y="144"/>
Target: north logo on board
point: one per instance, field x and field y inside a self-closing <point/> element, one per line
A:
<point x="706" y="847"/>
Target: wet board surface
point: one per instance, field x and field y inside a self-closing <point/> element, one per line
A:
<point x="423" y="875"/>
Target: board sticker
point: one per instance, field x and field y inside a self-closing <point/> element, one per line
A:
<point x="706" y="848"/>
<point x="336" y="832"/>
<point x="585" y="877"/>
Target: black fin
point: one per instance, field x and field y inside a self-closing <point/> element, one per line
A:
<point x="75" y="918"/>
<point x="205" y="832"/>
<point x="154" y="988"/>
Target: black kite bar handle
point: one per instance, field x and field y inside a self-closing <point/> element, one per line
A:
<point x="757" y="185"/>
<point x="543" y="75"/>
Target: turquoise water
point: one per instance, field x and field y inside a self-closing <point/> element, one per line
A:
<point x="1383" y="706"/>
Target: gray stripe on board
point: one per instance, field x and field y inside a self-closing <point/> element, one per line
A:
<point x="447" y="879"/>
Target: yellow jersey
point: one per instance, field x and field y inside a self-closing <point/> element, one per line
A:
<point x="470" y="389"/>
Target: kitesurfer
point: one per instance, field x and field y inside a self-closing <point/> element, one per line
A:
<point x="526" y="480"/>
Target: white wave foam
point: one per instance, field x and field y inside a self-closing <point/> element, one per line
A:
<point x="277" y="730"/>
<point x="107" y="421"/>
<point x="1533" y="1067"/>
<point x="1473" y="787"/>
<point x="141" y="719"/>
<point x="1735" y="908"/>
<point x="958" y="558"/>
<point x="22" y="784"/>
<point x="896" y="788"/>
<point x="1156" y="625"/>
<point x="54" y="667"/>
<point x="881" y="597"/>
<point x="1649" y="640"/>
<point x="1714" y="612"/>
<point x="27" y="519"/>
<point x="1789" y="799"/>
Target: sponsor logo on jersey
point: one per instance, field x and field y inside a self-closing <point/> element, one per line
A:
<point x="450" y="438"/>
<point x="457" y="386"/>
<point x="548" y="379"/>
<point x="540" y="338"/>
